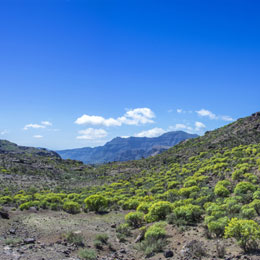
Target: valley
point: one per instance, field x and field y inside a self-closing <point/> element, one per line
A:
<point x="193" y="201"/>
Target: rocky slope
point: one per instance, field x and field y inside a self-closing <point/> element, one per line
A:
<point x="7" y="147"/>
<point x="125" y="149"/>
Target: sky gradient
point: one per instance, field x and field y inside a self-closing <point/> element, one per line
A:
<point x="79" y="73"/>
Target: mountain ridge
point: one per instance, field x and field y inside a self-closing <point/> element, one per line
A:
<point x="125" y="149"/>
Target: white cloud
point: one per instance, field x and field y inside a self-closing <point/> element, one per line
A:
<point x="38" y="136"/>
<point x="181" y="111"/>
<point x="132" y="117"/>
<point x="92" y="134"/>
<point x="199" y="126"/>
<point x="207" y="113"/>
<point x="35" y="126"/>
<point x="47" y="123"/>
<point x="4" y="132"/>
<point x="204" y="112"/>
<point x="125" y="136"/>
<point x="97" y="120"/>
<point x="43" y="124"/>
<point x="227" y="118"/>
<point x="179" y="127"/>
<point x="151" y="133"/>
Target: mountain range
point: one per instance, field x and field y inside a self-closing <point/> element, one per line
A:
<point x="125" y="149"/>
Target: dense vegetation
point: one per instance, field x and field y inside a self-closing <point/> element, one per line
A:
<point x="211" y="181"/>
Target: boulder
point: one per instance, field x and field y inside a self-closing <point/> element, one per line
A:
<point x="4" y="213"/>
<point x="168" y="254"/>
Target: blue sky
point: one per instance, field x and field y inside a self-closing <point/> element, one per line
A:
<point x="78" y="73"/>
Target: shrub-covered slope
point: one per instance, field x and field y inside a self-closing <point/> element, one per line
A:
<point x="210" y="182"/>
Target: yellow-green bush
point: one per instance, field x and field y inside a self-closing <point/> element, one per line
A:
<point x="71" y="207"/>
<point x="158" y="211"/>
<point x="144" y="207"/>
<point x="134" y="219"/>
<point x="217" y="227"/>
<point x="96" y="203"/>
<point x="155" y="232"/>
<point x="246" y="232"/>
<point x="188" y="214"/>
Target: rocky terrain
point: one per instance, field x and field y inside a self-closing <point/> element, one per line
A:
<point x="41" y="235"/>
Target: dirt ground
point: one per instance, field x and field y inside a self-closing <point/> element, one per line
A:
<point x="40" y="235"/>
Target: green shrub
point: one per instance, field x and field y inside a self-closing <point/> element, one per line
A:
<point x="186" y="192"/>
<point x="122" y="232"/>
<point x="134" y="219"/>
<point x="189" y="214"/>
<point x="87" y="254"/>
<point x="173" y="184"/>
<point x="74" y="197"/>
<point x="244" y="187"/>
<point x="232" y="205"/>
<point x="75" y="238"/>
<point x="71" y="207"/>
<point x="29" y="204"/>
<point x="256" y="205"/>
<point x="156" y="231"/>
<point x="98" y="244"/>
<point x="256" y="195"/>
<point x="103" y="238"/>
<point x="13" y="241"/>
<point x="221" y="191"/>
<point x="246" y="232"/>
<point x="96" y="203"/>
<point x="144" y="207"/>
<point x="130" y="204"/>
<point x="248" y="212"/>
<point x="154" y="239"/>
<point x="159" y="211"/>
<point x="217" y="227"/>
<point x="5" y="200"/>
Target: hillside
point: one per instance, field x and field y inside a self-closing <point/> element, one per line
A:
<point x="203" y="193"/>
<point x="12" y="148"/>
<point x="125" y="149"/>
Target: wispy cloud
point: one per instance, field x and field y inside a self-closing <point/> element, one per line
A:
<point x="35" y="126"/>
<point x="37" y="136"/>
<point x="206" y="113"/>
<point x="227" y="118"/>
<point x="211" y="115"/>
<point x="135" y="116"/>
<point x="178" y="127"/>
<point x="4" y="132"/>
<point x="92" y="134"/>
<point x="154" y="132"/>
<point x="182" y="111"/>
<point x="199" y="126"/>
<point x="47" y="123"/>
<point x="43" y="124"/>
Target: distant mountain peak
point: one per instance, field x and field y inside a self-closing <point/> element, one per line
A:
<point x="124" y="149"/>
